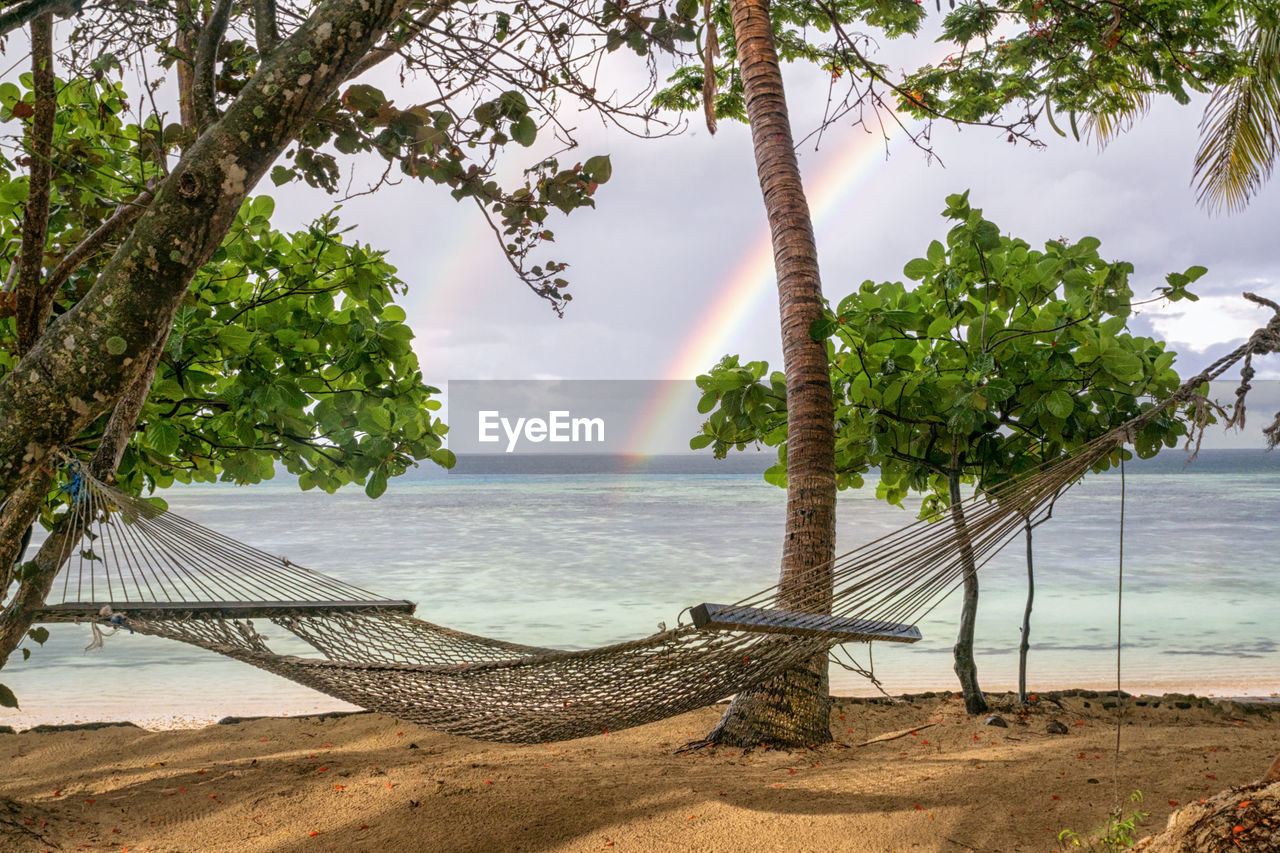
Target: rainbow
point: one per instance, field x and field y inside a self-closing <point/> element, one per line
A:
<point x="750" y="282"/>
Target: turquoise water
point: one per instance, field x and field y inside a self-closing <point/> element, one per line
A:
<point x="591" y="558"/>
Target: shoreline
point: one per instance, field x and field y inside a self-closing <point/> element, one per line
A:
<point x="1242" y="704"/>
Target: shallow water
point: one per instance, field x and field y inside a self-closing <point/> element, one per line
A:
<point x="591" y="558"/>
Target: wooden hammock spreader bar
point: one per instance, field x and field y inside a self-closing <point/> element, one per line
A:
<point x="73" y="611"/>
<point x="727" y="617"/>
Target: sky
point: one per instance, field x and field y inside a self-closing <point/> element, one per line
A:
<point x="673" y="267"/>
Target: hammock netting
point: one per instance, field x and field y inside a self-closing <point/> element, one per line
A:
<point x="126" y="562"/>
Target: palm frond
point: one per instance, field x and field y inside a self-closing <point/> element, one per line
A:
<point x="1240" y="129"/>
<point x="1127" y="106"/>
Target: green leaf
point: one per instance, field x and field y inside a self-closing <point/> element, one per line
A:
<point x="598" y="168"/>
<point x="40" y="634"/>
<point x="822" y="328"/>
<point x="987" y="236"/>
<point x="525" y="131"/>
<point x="1060" y="404"/>
<point x="918" y="268"/>
<point x="364" y="98"/>
<point x="380" y="417"/>
<point x="163" y="437"/>
<point x="377" y="483"/>
<point x="700" y="441"/>
<point x="237" y="339"/>
<point x="7" y="699"/>
<point x="116" y="345"/>
<point x="1122" y="364"/>
<point x="393" y="314"/>
<point x="776" y="475"/>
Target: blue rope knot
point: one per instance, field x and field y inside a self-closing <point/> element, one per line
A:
<point x="75" y="485"/>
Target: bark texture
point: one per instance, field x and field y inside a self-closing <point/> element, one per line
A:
<point x="15" y="521"/>
<point x="965" y="666"/>
<point x="794" y="708"/>
<point x="90" y="354"/>
<point x="185" y="43"/>
<point x="34" y="297"/>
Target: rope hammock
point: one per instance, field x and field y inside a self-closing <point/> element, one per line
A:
<point x="127" y="563"/>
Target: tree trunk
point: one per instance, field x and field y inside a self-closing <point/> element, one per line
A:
<point x="966" y="668"/>
<point x="1025" y="645"/>
<point x="794" y="708"/>
<point x="34" y="298"/>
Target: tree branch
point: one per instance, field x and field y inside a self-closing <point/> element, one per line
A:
<point x="124" y="417"/>
<point x="125" y="215"/>
<point x="264" y="26"/>
<point x="204" y="95"/>
<point x="34" y="300"/>
<point x="16" y="517"/>
<point x="184" y="42"/>
<point x="392" y="44"/>
<point x="18" y="15"/>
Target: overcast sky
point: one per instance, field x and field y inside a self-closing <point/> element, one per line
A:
<point x="657" y="268"/>
<point x="672" y="269"/>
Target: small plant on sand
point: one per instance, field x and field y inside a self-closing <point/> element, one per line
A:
<point x="1116" y="835"/>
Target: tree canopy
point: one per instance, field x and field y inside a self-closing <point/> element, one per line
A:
<point x="1011" y="64"/>
<point x="1014" y="354"/>
<point x="287" y="349"/>
<point x="1001" y="359"/>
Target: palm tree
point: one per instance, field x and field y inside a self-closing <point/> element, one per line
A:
<point x="793" y="709"/>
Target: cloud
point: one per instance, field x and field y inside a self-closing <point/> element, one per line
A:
<point x="1208" y="323"/>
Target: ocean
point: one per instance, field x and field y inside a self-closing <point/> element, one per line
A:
<point x="582" y="551"/>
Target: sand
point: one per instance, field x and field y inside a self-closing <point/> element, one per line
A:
<point x="367" y="782"/>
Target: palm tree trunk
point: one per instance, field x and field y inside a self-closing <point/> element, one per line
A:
<point x="965" y="666"/>
<point x="794" y="708"/>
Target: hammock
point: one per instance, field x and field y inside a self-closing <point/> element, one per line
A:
<point x="127" y="563"/>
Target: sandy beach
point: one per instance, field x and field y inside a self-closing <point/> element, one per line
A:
<point x="366" y="782"/>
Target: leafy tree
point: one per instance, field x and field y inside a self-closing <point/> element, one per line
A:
<point x="1240" y="131"/>
<point x="1077" y="58"/>
<point x="1002" y="359"/>
<point x="288" y="349"/>
<point x="282" y="337"/>
<point x="269" y="360"/>
<point x="1013" y="63"/>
